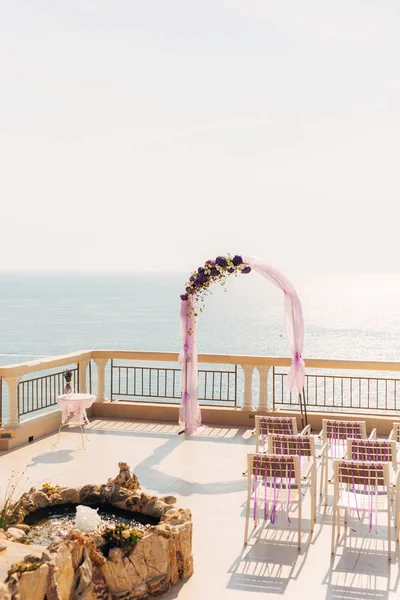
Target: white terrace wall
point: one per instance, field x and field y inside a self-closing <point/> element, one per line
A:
<point x="39" y="426"/>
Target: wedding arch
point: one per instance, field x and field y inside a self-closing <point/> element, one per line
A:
<point x="217" y="271"/>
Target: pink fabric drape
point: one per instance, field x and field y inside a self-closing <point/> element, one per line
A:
<point x="294" y="321"/>
<point x="189" y="413"/>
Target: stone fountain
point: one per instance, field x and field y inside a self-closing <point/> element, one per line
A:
<point x="107" y="563"/>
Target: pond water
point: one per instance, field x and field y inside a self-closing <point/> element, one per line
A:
<point x="52" y="524"/>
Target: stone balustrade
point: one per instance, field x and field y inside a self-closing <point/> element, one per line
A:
<point x="252" y="369"/>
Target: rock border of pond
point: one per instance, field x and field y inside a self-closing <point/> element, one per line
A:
<point x="75" y="567"/>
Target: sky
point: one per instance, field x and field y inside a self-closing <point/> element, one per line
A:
<point x="154" y="135"/>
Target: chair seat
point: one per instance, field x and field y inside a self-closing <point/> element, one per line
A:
<point x="361" y="501"/>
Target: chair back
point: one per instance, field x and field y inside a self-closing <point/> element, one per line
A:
<point x="382" y="451"/>
<point x="280" y="478"/>
<point x="395" y="435"/>
<point x="273" y="481"/>
<point x="302" y="446"/>
<point x="342" y="430"/>
<point x="364" y="488"/>
<point x="267" y="424"/>
<point x="272" y="465"/>
<point x="359" y="475"/>
<point x="335" y="433"/>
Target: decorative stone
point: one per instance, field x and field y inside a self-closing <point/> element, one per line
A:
<point x="83" y="567"/>
<point x="16" y="534"/>
<point x="169" y="499"/>
<point x="139" y="592"/>
<point x="55" y="499"/>
<point x="144" y="499"/>
<point x="119" y="496"/>
<point x="64" y="573"/>
<point x="155" y="508"/>
<point x="22" y="527"/>
<point x="158" y="585"/>
<point x="90" y="494"/>
<point x="125" y="479"/>
<point x="4" y="593"/>
<point x="33" y="584"/>
<point x="69" y="495"/>
<point x="83" y="576"/>
<point x="133" y="503"/>
<point x="39" y="500"/>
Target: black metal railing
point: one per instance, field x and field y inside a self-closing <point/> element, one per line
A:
<point x="41" y="392"/>
<point x="129" y="382"/>
<point x="340" y="392"/>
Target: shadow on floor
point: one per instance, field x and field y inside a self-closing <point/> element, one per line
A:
<point x="363" y="572"/>
<point x="57" y="456"/>
<point x="269" y="563"/>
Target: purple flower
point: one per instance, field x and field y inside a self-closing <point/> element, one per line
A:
<point x="202" y="277"/>
<point x="237" y="260"/>
<point x="191" y="278"/>
<point x="200" y="270"/>
<point x="231" y="270"/>
<point x="188" y="288"/>
<point x="214" y="272"/>
<point x="67" y="375"/>
<point x="221" y="261"/>
<point x="184" y="296"/>
<point x="246" y="270"/>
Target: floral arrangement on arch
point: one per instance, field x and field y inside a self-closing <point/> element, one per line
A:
<point x="214" y="271"/>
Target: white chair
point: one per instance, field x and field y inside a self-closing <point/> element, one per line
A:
<point x="334" y="436"/>
<point x="363" y="488"/>
<point x="382" y="451"/>
<point x="283" y="425"/>
<point x="395" y="433"/>
<point x="302" y="446"/>
<point x="274" y="480"/>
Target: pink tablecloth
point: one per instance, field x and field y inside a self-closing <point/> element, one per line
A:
<point x="75" y="405"/>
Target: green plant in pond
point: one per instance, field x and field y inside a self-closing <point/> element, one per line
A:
<point x="49" y="489"/>
<point x="9" y="507"/>
<point x="121" y="535"/>
<point x="24" y="567"/>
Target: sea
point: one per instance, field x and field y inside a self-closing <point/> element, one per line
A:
<point x="346" y="315"/>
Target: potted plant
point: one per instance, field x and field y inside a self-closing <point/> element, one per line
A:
<point x="69" y="388"/>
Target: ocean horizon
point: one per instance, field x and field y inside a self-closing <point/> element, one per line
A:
<point x="348" y="316"/>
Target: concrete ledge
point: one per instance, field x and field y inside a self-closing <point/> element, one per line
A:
<point x="157" y="411"/>
<point x="48" y="423"/>
<point x="219" y="415"/>
<point x="35" y="427"/>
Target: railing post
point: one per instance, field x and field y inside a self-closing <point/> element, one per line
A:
<point x="263" y="396"/>
<point x="82" y="366"/>
<point x="248" y="387"/>
<point x="13" y="412"/>
<point x="101" y="378"/>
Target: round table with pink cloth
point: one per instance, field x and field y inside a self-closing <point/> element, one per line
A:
<point x="73" y="408"/>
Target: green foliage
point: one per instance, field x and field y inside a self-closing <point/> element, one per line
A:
<point x="49" y="489"/>
<point x="121" y="535"/>
<point x="8" y="505"/>
<point x="200" y="281"/>
<point x="24" y="567"/>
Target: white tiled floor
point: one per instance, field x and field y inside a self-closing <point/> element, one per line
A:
<point x="204" y="472"/>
